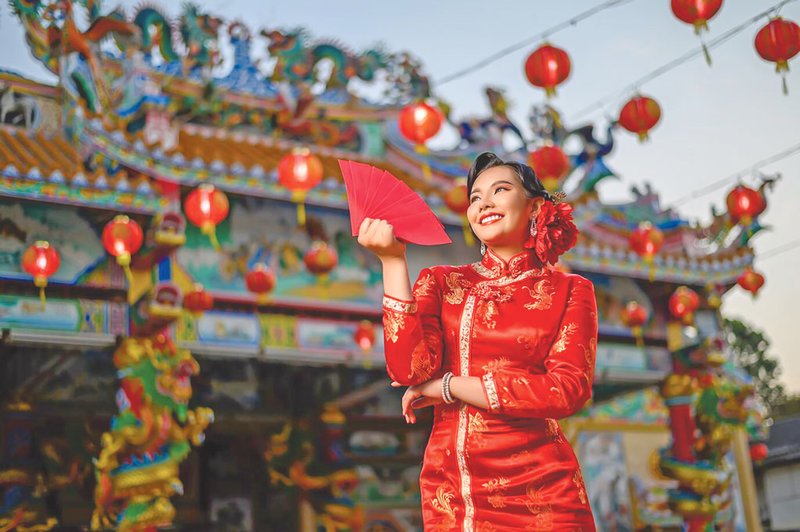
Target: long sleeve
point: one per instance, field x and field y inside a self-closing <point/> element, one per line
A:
<point x="413" y="332"/>
<point x="566" y="384"/>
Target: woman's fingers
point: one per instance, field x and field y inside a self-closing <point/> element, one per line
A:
<point x="423" y="402"/>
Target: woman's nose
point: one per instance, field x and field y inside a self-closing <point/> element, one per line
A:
<point x="484" y="203"/>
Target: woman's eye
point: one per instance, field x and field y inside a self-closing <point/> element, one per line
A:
<point x="498" y="189"/>
<point x="473" y="199"/>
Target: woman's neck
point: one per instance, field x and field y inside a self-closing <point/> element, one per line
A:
<point x="507" y="253"/>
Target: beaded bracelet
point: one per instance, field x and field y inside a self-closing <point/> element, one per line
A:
<point x="447" y="397"/>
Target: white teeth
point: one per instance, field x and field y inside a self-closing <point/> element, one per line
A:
<point x="491" y="218"/>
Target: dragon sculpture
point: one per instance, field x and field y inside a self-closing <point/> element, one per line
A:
<point x="318" y="471"/>
<point x="298" y="60"/>
<point x="137" y="468"/>
<point x="52" y="33"/>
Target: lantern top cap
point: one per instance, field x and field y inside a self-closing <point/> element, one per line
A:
<point x="121" y="218"/>
<point x="42" y="244"/>
<point x="301" y="150"/>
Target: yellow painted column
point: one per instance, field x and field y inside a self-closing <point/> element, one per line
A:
<point x="747" y="482"/>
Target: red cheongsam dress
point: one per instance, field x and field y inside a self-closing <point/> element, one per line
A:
<point x="530" y="334"/>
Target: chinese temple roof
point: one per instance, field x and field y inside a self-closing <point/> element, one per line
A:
<point x="174" y="114"/>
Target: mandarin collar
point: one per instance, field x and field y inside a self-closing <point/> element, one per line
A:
<point x="520" y="263"/>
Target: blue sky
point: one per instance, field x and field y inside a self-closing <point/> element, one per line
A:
<point x="716" y="121"/>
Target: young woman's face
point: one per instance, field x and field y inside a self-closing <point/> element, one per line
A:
<point x="499" y="211"/>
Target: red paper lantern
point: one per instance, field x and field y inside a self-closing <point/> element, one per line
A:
<point x="364" y="335"/>
<point x="300" y="171"/>
<point x="778" y="42"/>
<point x="751" y="280"/>
<point x="639" y="115"/>
<point x="122" y="237"/>
<point x="197" y="300"/>
<point x="758" y="452"/>
<point x="682" y="304"/>
<point x="260" y="280"/>
<point x="41" y="260"/>
<point x="696" y="12"/>
<point x="635" y="315"/>
<point x="321" y="258"/>
<point x="646" y="240"/>
<point x="551" y="165"/>
<point x="419" y="122"/>
<point x="547" y="67"/>
<point x="457" y="200"/>
<point x="745" y="204"/>
<point x="206" y="207"/>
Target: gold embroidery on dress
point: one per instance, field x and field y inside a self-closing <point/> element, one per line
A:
<point x="393" y="322"/>
<point x="497" y="487"/>
<point x="423" y="286"/>
<point x="477" y="428"/>
<point x="421" y="363"/>
<point x="563" y="337"/>
<point x="542" y="296"/>
<point x="491" y="391"/>
<point x="541" y="510"/>
<point x="485" y="526"/>
<point x="443" y="504"/>
<point x="554" y="431"/>
<point x="457" y="288"/>
<point x="589" y="355"/>
<point x="535" y="501"/>
<point x="487" y="312"/>
<point x="496" y="364"/>
<point x="577" y="479"/>
<point x="461" y="437"/>
<point x="488" y="297"/>
<point x="408" y="307"/>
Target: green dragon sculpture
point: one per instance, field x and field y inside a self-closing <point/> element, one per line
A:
<point x="298" y="59"/>
<point x="137" y="469"/>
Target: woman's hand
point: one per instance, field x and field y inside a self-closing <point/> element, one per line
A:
<point x="378" y="237"/>
<point x="428" y="393"/>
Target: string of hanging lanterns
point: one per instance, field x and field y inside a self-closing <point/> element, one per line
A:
<point x="780" y="46"/>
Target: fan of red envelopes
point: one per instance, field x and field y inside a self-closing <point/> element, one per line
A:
<point x="375" y="193"/>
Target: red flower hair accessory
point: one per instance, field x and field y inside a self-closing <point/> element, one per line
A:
<point x="555" y="232"/>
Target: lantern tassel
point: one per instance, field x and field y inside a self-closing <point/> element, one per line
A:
<point x="124" y="260"/>
<point x="423" y="151"/>
<point x="299" y="197"/>
<point x="468" y="238"/>
<point x="651" y="271"/>
<point x="41" y="282"/>
<point x="210" y="230"/>
<point x="784" y="83"/>
<point x="637" y="334"/>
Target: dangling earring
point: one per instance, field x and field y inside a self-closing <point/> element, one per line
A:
<point x="483" y="249"/>
<point x="530" y="242"/>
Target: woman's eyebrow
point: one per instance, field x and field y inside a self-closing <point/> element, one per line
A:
<point x="499" y="181"/>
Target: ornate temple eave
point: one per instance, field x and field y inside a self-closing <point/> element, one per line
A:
<point x="43" y="167"/>
<point x="239" y="163"/>
<point x="679" y="269"/>
<point x="22" y="85"/>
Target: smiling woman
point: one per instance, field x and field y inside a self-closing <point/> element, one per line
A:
<point x="501" y="349"/>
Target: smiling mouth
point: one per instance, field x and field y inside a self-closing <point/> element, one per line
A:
<point x="490" y="219"/>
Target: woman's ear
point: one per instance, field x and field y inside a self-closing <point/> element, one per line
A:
<point x="536" y="205"/>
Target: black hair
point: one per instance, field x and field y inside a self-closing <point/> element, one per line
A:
<point x="533" y="187"/>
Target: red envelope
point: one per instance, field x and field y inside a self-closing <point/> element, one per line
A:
<point x="375" y="193"/>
